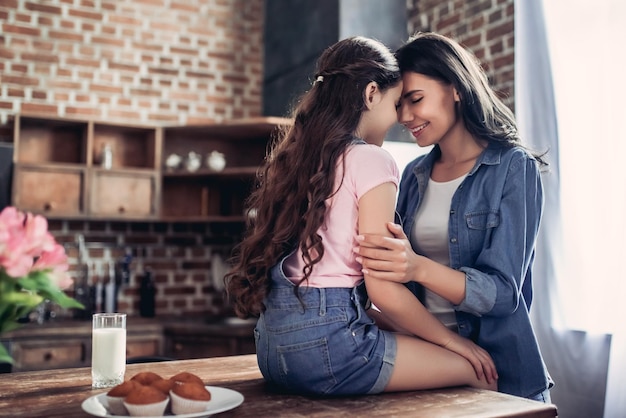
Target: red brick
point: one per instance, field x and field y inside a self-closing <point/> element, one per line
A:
<point x="9" y="4"/>
<point x="41" y="108"/>
<point x="107" y="41"/>
<point x="11" y="92"/>
<point x="7" y="54"/>
<point x="20" y="30"/>
<point x="81" y="111"/>
<point x="84" y="14"/>
<point x="20" y="80"/>
<point x="42" y="8"/>
<point x="66" y="36"/>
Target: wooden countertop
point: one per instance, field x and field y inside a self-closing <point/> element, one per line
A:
<point x="59" y="393"/>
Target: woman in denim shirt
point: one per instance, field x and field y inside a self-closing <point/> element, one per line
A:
<point x="471" y="210"/>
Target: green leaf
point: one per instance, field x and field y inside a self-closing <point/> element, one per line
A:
<point x="4" y="355"/>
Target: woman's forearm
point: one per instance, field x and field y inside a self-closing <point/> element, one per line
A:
<point x="442" y="280"/>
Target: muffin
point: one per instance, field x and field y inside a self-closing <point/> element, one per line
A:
<point x="115" y="397"/>
<point x="186" y="377"/>
<point x="146" y="378"/>
<point x="146" y="401"/>
<point x="189" y="398"/>
<point x="164" y="385"/>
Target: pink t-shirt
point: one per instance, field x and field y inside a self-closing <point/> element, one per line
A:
<point x="367" y="166"/>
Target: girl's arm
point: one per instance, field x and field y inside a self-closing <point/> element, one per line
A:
<point x="397" y="303"/>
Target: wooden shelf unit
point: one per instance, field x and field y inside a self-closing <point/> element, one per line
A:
<point x="58" y="171"/>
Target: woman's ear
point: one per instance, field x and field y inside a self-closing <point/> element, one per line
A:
<point x="371" y="95"/>
<point x="457" y="96"/>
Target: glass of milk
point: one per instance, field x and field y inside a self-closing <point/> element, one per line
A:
<point x="108" y="350"/>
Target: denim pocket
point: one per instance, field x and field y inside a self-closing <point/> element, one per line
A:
<point x="307" y="362"/>
<point x="483" y="219"/>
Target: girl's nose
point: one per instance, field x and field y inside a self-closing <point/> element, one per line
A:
<point x="404" y="115"/>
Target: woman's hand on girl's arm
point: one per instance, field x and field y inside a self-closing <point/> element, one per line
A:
<point x="387" y="258"/>
<point x="393" y="259"/>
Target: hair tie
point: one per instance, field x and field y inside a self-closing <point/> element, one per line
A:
<point x="319" y="79"/>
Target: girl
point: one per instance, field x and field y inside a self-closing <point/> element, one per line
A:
<point x="324" y="182"/>
<point x="470" y="209"/>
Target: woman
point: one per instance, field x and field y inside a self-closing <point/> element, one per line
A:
<point x="470" y="212"/>
<point x="327" y="180"/>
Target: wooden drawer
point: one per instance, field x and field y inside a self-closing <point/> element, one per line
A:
<point x="121" y="194"/>
<point x="221" y="337"/>
<point x="48" y="191"/>
<point x="144" y="346"/>
<point x="51" y="354"/>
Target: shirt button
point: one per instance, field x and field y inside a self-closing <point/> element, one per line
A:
<point x="353" y="334"/>
<point x="453" y="240"/>
<point x="452" y="212"/>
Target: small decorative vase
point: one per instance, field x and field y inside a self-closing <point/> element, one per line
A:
<point x="173" y="162"/>
<point x="193" y="161"/>
<point x="216" y="161"/>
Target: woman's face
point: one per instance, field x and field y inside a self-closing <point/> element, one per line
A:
<point x="428" y="108"/>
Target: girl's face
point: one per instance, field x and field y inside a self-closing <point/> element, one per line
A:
<point x="384" y="114"/>
<point x="428" y="109"/>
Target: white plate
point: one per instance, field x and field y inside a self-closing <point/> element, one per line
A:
<point x="222" y="399"/>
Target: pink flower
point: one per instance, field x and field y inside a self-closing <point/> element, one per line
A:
<point x="23" y="238"/>
<point x="37" y="237"/>
<point x="56" y="261"/>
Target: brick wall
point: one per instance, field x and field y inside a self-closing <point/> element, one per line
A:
<point x="139" y="61"/>
<point x="484" y="26"/>
<point x="176" y="61"/>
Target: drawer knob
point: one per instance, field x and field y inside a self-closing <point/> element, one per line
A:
<point x="48" y="356"/>
<point x="121" y="209"/>
<point x="48" y="206"/>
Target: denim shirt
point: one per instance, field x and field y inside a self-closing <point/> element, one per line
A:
<point x="494" y="220"/>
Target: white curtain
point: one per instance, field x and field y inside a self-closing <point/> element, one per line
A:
<point x="570" y="93"/>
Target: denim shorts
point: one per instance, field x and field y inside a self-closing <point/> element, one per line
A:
<point x="322" y="344"/>
<point x="542" y="397"/>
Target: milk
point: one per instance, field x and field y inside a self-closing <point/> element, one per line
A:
<point x="108" y="357"/>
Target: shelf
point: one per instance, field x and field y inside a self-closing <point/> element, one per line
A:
<point x="215" y="196"/>
<point x="227" y="172"/>
<point x="58" y="172"/>
<point x="131" y="146"/>
<point x="41" y="141"/>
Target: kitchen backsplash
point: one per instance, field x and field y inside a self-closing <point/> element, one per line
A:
<point x="187" y="261"/>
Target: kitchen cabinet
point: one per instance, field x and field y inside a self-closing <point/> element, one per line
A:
<point x="65" y="344"/>
<point x="50" y="166"/>
<point x="95" y="170"/>
<point x="206" y="194"/>
<point x="58" y="168"/>
<point x="62" y="344"/>
<point x="193" y="339"/>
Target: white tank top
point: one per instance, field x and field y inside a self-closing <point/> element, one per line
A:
<point x="430" y="237"/>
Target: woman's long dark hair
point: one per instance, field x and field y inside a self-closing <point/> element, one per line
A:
<point x="484" y="114"/>
<point x="299" y="173"/>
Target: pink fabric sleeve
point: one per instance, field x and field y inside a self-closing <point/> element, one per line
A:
<point x="369" y="166"/>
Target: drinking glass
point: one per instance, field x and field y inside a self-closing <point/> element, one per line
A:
<point x="108" y="349"/>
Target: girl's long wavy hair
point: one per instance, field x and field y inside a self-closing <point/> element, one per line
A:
<point x="441" y="58"/>
<point x="299" y="172"/>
